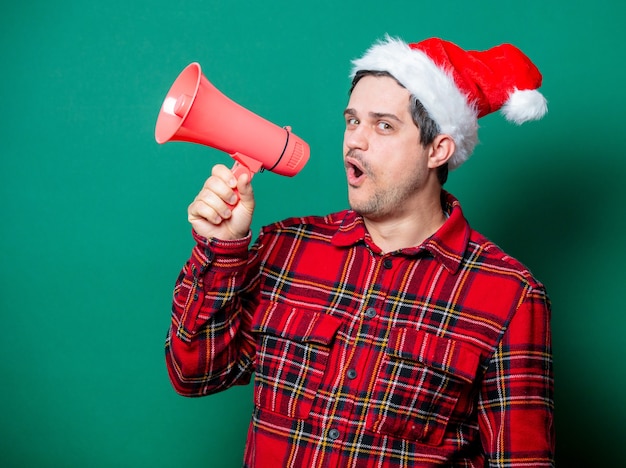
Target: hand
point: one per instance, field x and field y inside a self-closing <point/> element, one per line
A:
<point x="223" y="209"/>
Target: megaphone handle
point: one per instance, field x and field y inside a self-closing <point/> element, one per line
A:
<point x="239" y="169"/>
<point x="245" y="164"/>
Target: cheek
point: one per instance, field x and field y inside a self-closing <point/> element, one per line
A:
<point x="397" y="158"/>
<point x="404" y="166"/>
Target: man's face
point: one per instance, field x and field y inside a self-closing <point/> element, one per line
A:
<point x="385" y="163"/>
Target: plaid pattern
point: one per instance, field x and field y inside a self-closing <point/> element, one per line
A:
<point x="433" y="355"/>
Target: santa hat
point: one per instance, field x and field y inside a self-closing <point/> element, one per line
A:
<point x="457" y="87"/>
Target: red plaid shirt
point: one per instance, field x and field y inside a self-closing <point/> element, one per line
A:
<point x="433" y="355"/>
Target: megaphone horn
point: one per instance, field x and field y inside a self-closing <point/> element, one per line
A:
<point x="196" y="111"/>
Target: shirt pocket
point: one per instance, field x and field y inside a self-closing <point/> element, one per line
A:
<point x="292" y="355"/>
<point x="419" y="385"/>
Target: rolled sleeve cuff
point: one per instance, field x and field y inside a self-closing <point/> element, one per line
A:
<point x="220" y="253"/>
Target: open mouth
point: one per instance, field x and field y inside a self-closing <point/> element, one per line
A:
<point x="354" y="171"/>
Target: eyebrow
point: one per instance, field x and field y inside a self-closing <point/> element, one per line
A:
<point x="374" y="115"/>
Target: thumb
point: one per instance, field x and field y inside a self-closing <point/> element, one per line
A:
<point x="246" y="193"/>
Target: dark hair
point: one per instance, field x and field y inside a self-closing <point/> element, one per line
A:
<point x="428" y="128"/>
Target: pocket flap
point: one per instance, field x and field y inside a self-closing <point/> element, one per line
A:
<point x="450" y="356"/>
<point x="297" y="324"/>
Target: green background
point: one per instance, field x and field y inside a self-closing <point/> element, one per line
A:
<point x="93" y="226"/>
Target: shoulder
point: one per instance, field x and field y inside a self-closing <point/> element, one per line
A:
<point x="488" y="256"/>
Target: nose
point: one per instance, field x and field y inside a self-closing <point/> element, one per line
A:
<point x="356" y="138"/>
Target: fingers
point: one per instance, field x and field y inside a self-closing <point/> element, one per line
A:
<point x="224" y="206"/>
<point x="215" y="200"/>
<point x="223" y="183"/>
<point x="238" y="180"/>
<point x="209" y="209"/>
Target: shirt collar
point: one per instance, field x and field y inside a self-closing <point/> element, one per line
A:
<point x="447" y="245"/>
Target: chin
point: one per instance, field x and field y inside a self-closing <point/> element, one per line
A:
<point x="364" y="209"/>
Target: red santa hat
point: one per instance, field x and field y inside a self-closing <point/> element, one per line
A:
<point x="457" y="87"/>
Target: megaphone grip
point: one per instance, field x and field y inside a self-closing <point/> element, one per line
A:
<point x="239" y="169"/>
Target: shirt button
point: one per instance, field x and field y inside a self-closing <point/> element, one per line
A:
<point x="387" y="263"/>
<point x="333" y="434"/>
<point x="370" y="312"/>
<point x="351" y="374"/>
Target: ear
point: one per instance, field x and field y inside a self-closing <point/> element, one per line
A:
<point x="441" y="150"/>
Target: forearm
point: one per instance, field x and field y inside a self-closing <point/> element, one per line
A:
<point x="516" y="402"/>
<point x="209" y="347"/>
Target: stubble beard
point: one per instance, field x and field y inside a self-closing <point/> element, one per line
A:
<point x="384" y="201"/>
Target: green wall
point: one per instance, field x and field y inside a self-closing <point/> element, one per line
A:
<point x="93" y="226"/>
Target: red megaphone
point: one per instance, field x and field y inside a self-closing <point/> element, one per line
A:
<point x="195" y="111"/>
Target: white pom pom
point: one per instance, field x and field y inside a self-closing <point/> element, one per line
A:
<point x="525" y="105"/>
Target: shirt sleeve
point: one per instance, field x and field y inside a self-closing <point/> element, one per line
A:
<point x="516" y="400"/>
<point x="209" y="347"/>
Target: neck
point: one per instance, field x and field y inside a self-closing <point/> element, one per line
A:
<point x="407" y="228"/>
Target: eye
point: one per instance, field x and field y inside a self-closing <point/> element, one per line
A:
<point x="352" y="121"/>
<point x="384" y="126"/>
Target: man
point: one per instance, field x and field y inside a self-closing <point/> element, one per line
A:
<point x="390" y="334"/>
